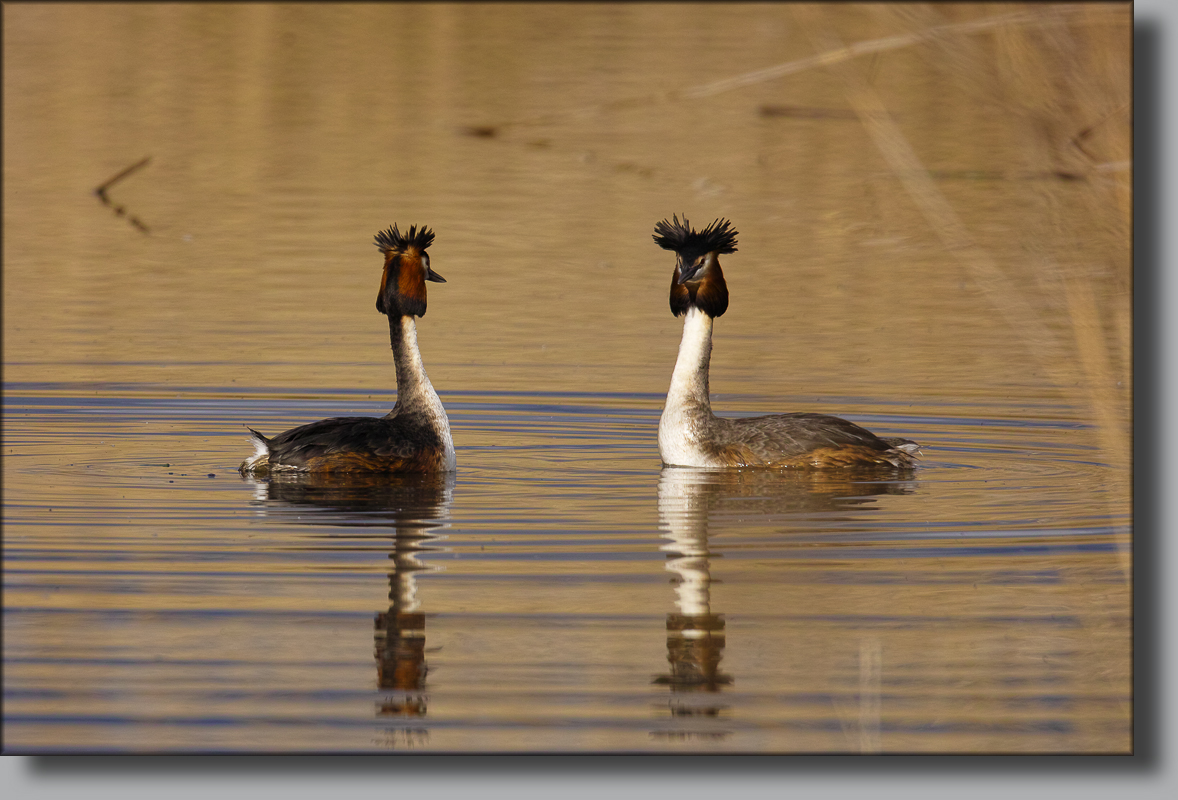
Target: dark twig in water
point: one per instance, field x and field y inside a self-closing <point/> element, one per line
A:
<point x="1079" y="139"/>
<point x="807" y="112"/>
<point x="101" y="190"/>
<point x="120" y="210"/>
<point x="480" y="131"/>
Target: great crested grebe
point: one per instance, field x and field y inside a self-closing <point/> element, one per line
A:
<point x="415" y="435"/>
<point x="690" y="435"/>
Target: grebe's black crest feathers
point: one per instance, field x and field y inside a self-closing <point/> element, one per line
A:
<point x="392" y="240"/>
<point x="719" y="237"/>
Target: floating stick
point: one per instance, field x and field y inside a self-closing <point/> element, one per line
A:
<point x="120" y="210"/>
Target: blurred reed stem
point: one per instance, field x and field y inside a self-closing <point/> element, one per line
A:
<point x="1064" y="85"/>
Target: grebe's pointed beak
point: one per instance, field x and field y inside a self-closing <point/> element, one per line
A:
<point x="430" y="275"/>
<point x="685" y="272"/>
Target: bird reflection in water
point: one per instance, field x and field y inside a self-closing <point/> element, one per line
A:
<point x="688" y="498"/>
<point x="412" y="508"/>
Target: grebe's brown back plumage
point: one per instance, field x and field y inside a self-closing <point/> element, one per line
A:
<point x="415" y="435"/>
<point x="690" y="435"/>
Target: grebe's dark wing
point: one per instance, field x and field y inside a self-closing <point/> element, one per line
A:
<point x="807" y="439"/>
<point x="382" y="444"/>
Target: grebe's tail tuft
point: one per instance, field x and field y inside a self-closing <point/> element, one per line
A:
<point x="260" y="460"/>
<point x="907" y="451"/>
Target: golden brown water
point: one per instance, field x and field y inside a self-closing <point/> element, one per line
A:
<point x="933" y="242"/>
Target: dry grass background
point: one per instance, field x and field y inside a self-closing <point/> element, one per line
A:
<point x="1061" y="74"/>
<point x="1064" y="80"/>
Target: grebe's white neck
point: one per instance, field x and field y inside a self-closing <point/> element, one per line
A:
<point x="688" y="406"/>
<point x="415" y="393"/>
<point x="689" y="382"/>
<point x="413" y="386"/>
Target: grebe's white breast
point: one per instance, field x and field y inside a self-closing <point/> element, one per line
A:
<point x="438" y="413"/>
